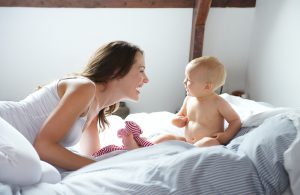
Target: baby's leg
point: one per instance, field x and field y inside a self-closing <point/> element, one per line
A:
<point x="136" y="131"/>
<point x="127" y="139"/>
<point x="207" y="141"/>
<point x="167" y="137"/>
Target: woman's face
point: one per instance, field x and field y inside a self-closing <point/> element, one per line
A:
<point x="132" y="83"/>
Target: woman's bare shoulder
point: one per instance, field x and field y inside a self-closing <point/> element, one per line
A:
<point x="76" y="85"/>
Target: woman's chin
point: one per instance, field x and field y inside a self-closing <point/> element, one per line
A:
<point x="133" y="98"/>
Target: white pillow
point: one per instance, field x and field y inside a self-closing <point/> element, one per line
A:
<point x="246" y="107"/>
<point x="49" y="173"/>
<point x="19" y="162"/>
<point x="257" y="119"/>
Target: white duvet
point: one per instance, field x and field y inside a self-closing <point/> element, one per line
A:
<point x="180" y="168"/>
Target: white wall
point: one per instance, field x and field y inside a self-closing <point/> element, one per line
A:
<point x="38" y="45"/>
<point x="274" y="65"/>
<point x="227" y="36"/>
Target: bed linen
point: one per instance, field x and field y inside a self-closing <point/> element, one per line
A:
<point x="254" y="162"/>
<point x="168" y="168"/>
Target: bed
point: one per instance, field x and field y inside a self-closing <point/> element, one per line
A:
<point x="261" y="159"/>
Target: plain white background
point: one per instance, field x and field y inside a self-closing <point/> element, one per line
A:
<point x="274" y="61"/>
<point x="39" y="45"/>
<point x="259" y="47"/>
<point x="42" y="44"/>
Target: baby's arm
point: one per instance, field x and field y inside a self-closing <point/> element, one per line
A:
<point x="233" y="119"/>
<point x="181" y="119"/>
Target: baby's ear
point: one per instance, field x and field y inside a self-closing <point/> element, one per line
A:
<point x="208" y="86"/>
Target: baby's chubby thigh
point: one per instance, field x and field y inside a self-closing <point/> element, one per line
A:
<point x="167" y="137"/>
<point x="206" y="142"/>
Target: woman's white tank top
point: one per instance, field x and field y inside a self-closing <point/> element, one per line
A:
<point x="28" y="115"/>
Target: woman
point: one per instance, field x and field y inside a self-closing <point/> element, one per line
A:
<point x="65" y="111"/>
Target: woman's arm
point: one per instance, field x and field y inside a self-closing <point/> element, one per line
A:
<point x="89" y="142"/>
<point x="75" y="100"/>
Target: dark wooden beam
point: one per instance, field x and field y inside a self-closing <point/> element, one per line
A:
<point x="99" y="3"/>
<point x="233" y="3"/>
<point x="123" y="3"/>
<point x="200" y="14"/>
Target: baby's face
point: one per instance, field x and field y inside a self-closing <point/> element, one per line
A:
<point x="194" y="81"/>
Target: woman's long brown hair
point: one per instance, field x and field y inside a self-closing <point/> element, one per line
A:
<point x="111" y="61"/>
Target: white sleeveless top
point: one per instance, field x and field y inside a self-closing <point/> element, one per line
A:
<point x="28" y="115"/>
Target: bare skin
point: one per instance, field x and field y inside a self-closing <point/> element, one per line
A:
<point x="89" y="99"/>
<point x="203" y="112"/>
<point x="129" y="142"/>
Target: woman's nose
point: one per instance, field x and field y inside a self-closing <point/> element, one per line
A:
<point x="146" y="79"/>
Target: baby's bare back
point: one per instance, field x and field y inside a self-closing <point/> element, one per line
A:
<point x="204" y="119"/>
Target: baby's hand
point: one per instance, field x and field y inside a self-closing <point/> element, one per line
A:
<point x="180" y="121"/>
<point x="222" y="137"/>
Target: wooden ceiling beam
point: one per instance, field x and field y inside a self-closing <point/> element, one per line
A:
<point x="200" y="14"/>
<point x="123" y="3"/>
<point x="99" y="3"/>
<point x="233" y="3"/>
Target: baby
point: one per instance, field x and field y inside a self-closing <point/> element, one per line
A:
<point x="203" y="111"/>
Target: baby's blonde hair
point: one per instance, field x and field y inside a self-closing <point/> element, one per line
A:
<point x="215" y="70"/>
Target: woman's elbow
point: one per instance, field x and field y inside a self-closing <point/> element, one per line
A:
<point x="41" y="147"/>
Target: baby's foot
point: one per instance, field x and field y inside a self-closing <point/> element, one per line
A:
<point x="129" y="142"/>
<point x="136" y="131"/>
<point x="134" y="128"/>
